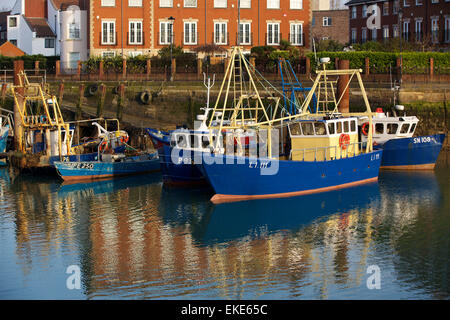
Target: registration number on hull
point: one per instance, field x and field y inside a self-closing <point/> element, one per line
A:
<point x="422" y="139"/>
<point x="81" y="165"/>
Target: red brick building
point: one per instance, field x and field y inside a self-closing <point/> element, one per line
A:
<point x="132" y="27"/>
<point x="416" y="20"/>
<point x="330" y="25"/>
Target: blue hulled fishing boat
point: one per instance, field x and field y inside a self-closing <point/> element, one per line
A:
<point x="110" y="166"/>
<point x="5" y="130"/>
<point x="258" y="149"/>
<point x="401" y="150"/>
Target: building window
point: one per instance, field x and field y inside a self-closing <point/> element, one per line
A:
<point x="165" y="32"/>
<point x="14" y="42"/>
<point x="395" y="31"/>
<point x="405" y="3"/>
<point x="374" y="34"/>
<point x="364" y="11"/>
<point x="49" y="43"/>
<point x="108" y="54"/>
<point x="12" y="22"/>
<point x="326" y="21"/>
<point x="435" y="30"/>
<point x="135" y="32"/>
<point x="406" y="30"/>
<point x="364" y="35"/>
<point x="418" y="2"/>
<point x="385" y="8"/>
<point x="220" y="3"/>
<point x="190" y="3"/>
<point x="273" y="33"/>
<point x="419" y="30"/>
<point x="165" y="3"/>
<point x="245" y="33"/>
<point x="220" y="33"/>
<point x="74" y="31"/>
<point x="273" y="4"/>
<point x="246" y="4"/>
<point x="354" y="34"/>
<point x="396" y="7"/>
<point x="447" y="29"/>
<point x="74" y="57"/>
<point x="296" y="4"/>
<point x="134" y="54"/>
<point x="354" y="14"/>
<point x="296" y="36"/>
<point x="108" y="3"/>
<point x="385" y="32"/>
<point x="190" y="33"/>
<point x="434" y="1"/>
<point x="108" y="32"/>
<point x="135" y="3"/>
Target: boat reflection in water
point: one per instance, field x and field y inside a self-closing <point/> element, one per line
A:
<point x="135" y="239"/>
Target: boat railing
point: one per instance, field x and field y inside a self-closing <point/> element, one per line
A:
<point x="328" y="153"/>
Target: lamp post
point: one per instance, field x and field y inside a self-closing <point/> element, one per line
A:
<point x="400" y="16"/>
<point x="171" y="19"/>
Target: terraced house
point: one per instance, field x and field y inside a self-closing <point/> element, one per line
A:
<point x="133" y="27"/>
<point x="424" y="21"/>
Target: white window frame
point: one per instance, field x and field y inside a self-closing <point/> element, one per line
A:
<point x="220" y="3"/>
<point x="296" y="4"/>
<point x="294" y="35"/>
<point x="246" y="4"/>
<point x="270" y="27"/>
<point x="192" y="34"/>
<point x="246" y="33"/>
<point x="328" y="20"/>
<point x="405" y="3"/>
<point x="395" y="31"/>
<point x="135" y="33"/>
<point x="168" y="33"/>
<point x="386" y="32"/>
<point x="434" y="29"/>
<point x="354" y="13"/>
<point x="364" y="34"/>
<point x="166" y="3"/>
<point x="364" y="11"/>
<point x="133" y="54"/>
<point x="419" y="2"/>
<point x="374" y="34"/>
<point x="135" y="3"/>
<point x="385" y="12"/>
<point x="70" y="32"/>
<point x="17" y="22"/>
<point x="418" y="28"/>
<point x="108" y="54"/>
<point x="108" y="32"/>
<point x="436" y="1"/>
<point x="221" y="37"/>
<point x="354" y="35"/>
<point x="187" y="5"/>
<point x="108" y="3"/>
<point x="273" y="4"/>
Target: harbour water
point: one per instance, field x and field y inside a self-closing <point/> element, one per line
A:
<point x="133" y="238"/>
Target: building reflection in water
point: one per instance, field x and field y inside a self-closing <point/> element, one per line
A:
<point x="135" y="238"/>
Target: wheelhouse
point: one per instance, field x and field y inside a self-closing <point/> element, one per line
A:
<point x="387" y="128"/>
<point x="323" y="139"/>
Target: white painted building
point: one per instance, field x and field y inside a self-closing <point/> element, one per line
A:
<point x="52" y="27"/>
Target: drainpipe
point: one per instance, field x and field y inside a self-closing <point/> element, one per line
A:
<point x="56" y="33"/>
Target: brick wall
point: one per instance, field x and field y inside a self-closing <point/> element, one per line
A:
<point x="339" y="28"/>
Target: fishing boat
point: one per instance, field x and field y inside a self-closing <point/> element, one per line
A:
<point x="394" y="134"/>
<point x="288" y="154"/>
<point x="176" y="148"/>
<point x="5" y="131"/>
<point x="109" y="166"/>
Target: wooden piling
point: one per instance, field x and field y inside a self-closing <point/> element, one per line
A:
<point x="101" y="100"/>
<point x="342" y="88"/>
<point x="61" y="93"/>
<point x="120" y="101"/>
<point x="3" y="95"/>
<point x="18" y="127"/>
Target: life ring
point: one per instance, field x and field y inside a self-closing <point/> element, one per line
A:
<point x="103" y="146"/>
<point x="365" y="128"/>
<point x="92" y="89"/>
<point x="144" y="97"/>
<point x="344" y="141"/>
